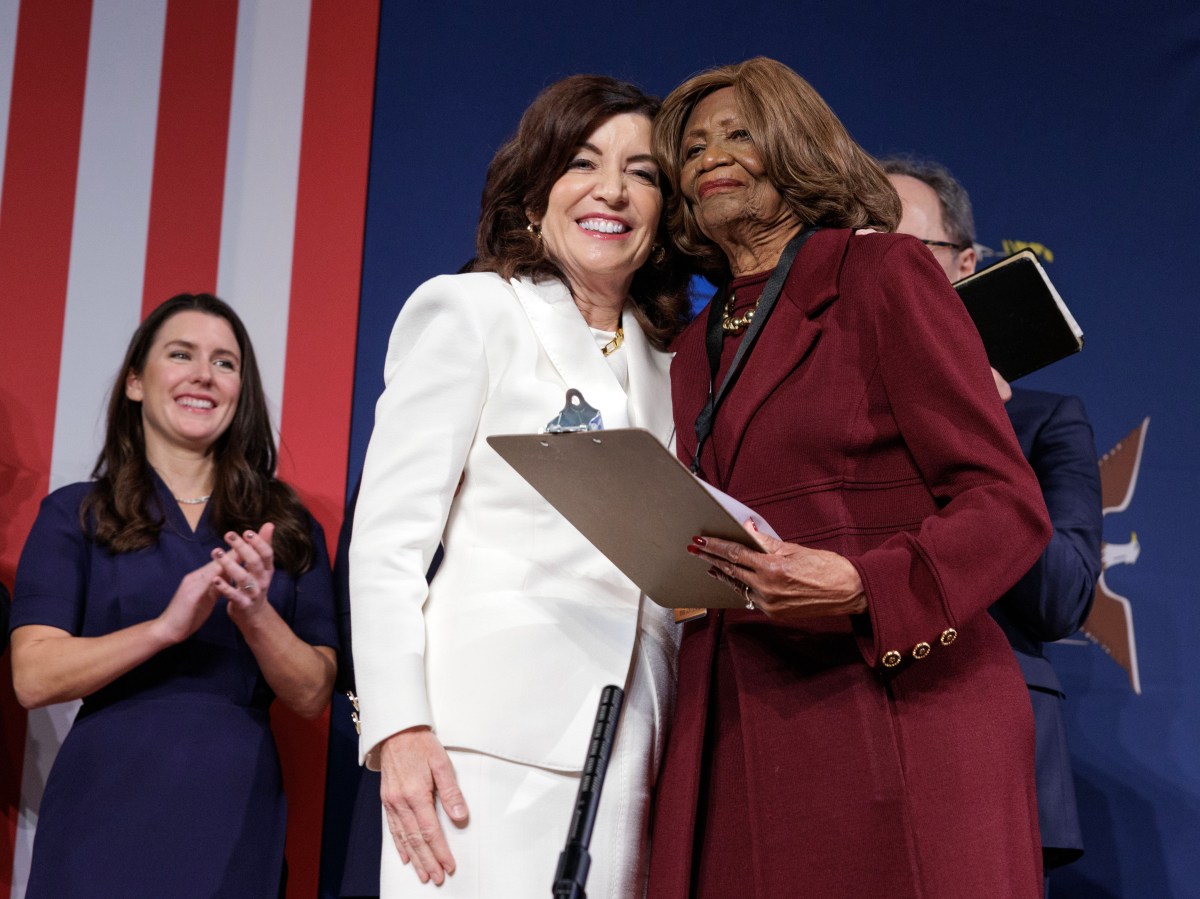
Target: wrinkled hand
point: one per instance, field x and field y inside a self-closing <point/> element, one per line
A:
<point x="416" y="769"/>
<point x="192" y="603"/>
<point x="246" y="568"/>
<point x="789" y="583"/>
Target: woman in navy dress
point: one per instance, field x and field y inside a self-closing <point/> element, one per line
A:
<point x="176" y="594"/>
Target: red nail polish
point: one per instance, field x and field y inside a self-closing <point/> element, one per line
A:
<point x="700" y="541"/>
<point x="693" y="550"/>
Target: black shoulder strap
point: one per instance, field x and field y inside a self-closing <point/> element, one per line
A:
<point x="714" y="339"/>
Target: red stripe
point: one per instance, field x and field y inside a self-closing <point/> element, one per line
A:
<point x="184" y="240"/>
<point x="49" y="73"/>
<point x="322" y="325"/>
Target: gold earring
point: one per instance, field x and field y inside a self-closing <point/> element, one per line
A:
<point x="535" y="231"/>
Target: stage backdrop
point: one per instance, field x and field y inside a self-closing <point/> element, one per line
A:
<point x="1074" y="125"/>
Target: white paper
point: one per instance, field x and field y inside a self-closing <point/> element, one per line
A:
<point x="739" y="510"/>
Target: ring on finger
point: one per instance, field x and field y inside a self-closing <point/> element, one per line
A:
<point x="247" y="587"/>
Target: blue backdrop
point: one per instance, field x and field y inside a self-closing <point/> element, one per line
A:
<point x="1073" y="125"/>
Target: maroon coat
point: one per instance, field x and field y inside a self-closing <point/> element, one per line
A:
<point x="865" y="422"/>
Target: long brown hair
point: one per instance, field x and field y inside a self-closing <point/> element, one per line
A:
<point x="821" y="173"/>
<point x="122" y="511"/>
<point x="524" y="170"/>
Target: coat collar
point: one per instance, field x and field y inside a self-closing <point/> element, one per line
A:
<point x="649" y="381"/>
<point x="571" y="348"/>
<point x="789" y="336"/>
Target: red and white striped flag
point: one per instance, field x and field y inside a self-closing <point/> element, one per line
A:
<point x="152" y="147"/>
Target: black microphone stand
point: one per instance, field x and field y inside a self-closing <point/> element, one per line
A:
<point x="574" y="860"/>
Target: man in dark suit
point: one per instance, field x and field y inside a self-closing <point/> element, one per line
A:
<point x="1052" y="600"/>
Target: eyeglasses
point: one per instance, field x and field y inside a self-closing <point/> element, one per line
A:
<point x="957" y="247"/>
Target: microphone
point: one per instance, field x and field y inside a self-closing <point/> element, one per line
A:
<point x="574" y="861"/>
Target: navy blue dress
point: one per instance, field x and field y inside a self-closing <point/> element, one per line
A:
<point x="168" y="783"/>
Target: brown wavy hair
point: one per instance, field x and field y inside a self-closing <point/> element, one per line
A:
<point x="122" y="512"/>
<point x="523" y="171"/>
<point x="822" y="174"/>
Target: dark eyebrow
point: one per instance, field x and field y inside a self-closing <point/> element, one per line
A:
<point x="640" y="157"/>
<point x="731" y="120"/>
<point x="188" y="345"/>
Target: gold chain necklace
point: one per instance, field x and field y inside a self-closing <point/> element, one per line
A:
<point x="733" y="325"/>
<point x="615" y="344"/>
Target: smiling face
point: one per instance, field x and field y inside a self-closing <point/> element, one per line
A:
<point x="603" y="211"/>
<point x="189" y="384"/>
<point x="724" y="179"/>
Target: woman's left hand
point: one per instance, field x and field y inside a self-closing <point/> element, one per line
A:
<point x="789" y="583"/>
<point x="246" y="570"/>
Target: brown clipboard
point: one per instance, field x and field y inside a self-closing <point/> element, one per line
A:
<point x="628" y="495"/>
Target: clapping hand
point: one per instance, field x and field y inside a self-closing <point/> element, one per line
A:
<point x="245" y="571"/>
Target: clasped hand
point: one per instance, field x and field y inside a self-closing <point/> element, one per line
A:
<point x="788" y="582"/>
<point x="241" y="574"/>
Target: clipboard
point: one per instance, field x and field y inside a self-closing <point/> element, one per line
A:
<point x="628" y="495"/>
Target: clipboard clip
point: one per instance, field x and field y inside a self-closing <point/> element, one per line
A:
<point x="575" y="416"/>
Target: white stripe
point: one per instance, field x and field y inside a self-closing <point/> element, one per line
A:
<point x="262" y="168"/>
<point x="112" y="213"/>
<point x="45" y="731"/>
<point x="8" y="49"/>
<point x="104" y="291"/>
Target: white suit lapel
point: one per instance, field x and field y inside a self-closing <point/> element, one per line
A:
<point x="570" y="346"/>
<point x="649" y="382"/>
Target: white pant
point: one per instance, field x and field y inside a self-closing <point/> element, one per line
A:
<point x="520" y="814"/>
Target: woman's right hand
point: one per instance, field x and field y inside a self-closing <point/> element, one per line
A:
<point x="191" y="605"/>
<point x="52" y="665"/>
<point x="415" y="770"/>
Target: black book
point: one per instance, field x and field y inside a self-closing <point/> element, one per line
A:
<point x="1024" y="323"/>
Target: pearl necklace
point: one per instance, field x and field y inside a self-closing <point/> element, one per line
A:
<point x="733" y="325"/>
<point x="193" y="501"/>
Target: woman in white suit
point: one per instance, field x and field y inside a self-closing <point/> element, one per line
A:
<point x="477" y="692"/>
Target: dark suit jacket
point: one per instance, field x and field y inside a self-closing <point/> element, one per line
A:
<point x="866" y="423"/>
<point x="1053" y="599"/>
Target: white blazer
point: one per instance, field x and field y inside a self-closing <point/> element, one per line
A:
<point x="525" y="622"/>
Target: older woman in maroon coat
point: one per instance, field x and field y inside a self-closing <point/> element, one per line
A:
<point x="862" y="729"/>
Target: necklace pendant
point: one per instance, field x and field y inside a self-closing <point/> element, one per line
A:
<point x="731" y="324"/>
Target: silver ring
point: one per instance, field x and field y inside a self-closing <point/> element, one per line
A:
<point x="746" y="596"/>
<point x="247" y="586"/>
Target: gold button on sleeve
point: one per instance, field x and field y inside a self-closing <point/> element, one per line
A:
<point x="891" y="659"/>
<point x="949" y="635"/>
<point x="921" y="650"/>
